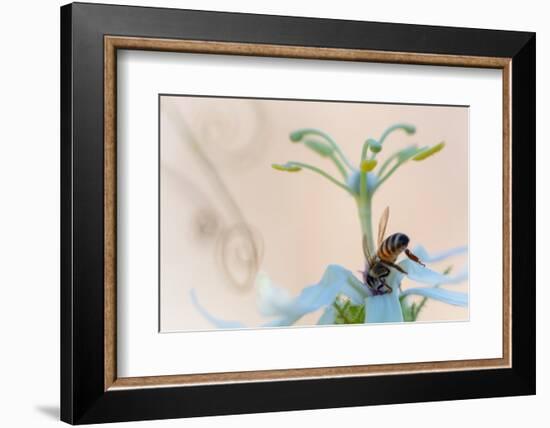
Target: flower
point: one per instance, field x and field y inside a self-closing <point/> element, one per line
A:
<point x="391" y="307"/>
<point x="353" y="181"/>
<point x="274" y="301"/>
<point x="341" y="296"/>
<point x="337" y="281"/>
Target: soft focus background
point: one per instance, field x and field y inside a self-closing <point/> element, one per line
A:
<point x="225" y="212"/>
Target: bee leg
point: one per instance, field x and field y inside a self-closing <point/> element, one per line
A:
<point x="411" y="256"/>
<point x="393" y="265"/>
<point x="384" y="284"/>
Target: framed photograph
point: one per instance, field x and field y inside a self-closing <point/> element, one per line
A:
<point x="265" y="213"/>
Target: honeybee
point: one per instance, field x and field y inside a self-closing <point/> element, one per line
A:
<point x="377" y="267"/>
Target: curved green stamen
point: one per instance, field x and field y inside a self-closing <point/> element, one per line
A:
<point x="326" y="150"/>
<point x="409" y="129"/>
<point x="426" y="153"/>
<point x="400" y="161"/>
<point x="297" y="166"/>
<point x="285" y="167"/>
<point x="400" y="155"/>
<point x="322" y="149"/>
<point x="298" y="135"/>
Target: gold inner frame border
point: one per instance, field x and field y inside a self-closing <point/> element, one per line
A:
<point x="113" y="43"/>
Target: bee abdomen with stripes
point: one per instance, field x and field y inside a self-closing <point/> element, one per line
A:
<point x="392" y="247"/>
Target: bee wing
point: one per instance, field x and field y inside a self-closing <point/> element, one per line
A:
<point x="382" y="225"/>
<point x="366" y="251"/>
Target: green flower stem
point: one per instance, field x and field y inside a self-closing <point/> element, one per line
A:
<point x="417" y="308"/>
<point x="364" y="203"/>
<point x="323" y="173"/>
<point x="365" y="214"/>
<point x="329" y="140"/>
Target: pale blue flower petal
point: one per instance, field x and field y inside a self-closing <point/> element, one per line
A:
<point x="451" y="297"/>
<point x="272" y="300"/>
<point x="372" y="181"/>
<point x="394" y="279"/>
<point x="426" y="257"/>
<point x="383" y="308"/>
<point x="355" y="289"/>
<point x="386" y="307"/>
<point x="217" y="322"/>
<point x="353" y="181"/>
<point x="336" y="280"/>
<point x="460" y="276"/>
<point x="419" y="273"/>
<point x="328" y="317"/>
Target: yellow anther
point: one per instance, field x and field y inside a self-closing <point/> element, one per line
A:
<point x="368" y="165"/>
<point x="426" y="153"/>
<point x="286" y="167"/>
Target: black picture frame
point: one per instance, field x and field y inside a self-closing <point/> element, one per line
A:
<point x="83" y="396"/>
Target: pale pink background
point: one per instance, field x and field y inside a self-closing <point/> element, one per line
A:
<point x="302" y="222"/>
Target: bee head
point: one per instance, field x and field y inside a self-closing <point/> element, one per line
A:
<point x="402" y="241"/>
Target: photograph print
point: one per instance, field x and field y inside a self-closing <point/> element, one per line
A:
<point x="278" y="213"/>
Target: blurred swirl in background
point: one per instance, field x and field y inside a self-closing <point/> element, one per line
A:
<point x="230" y="138"/>
<point x="220" y="140"/>
<point x="239" y="252"/>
